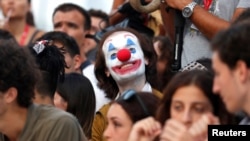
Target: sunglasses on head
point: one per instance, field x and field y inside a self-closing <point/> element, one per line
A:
<point x="128" y="94"/>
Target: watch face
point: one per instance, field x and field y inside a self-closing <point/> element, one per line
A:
<point x="186" y="12"/>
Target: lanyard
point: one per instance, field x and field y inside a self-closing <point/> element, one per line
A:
<point x="24" y="35"/>
<point x="207" y="3"/>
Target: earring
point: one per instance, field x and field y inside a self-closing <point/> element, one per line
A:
<point x="107" y="74"/>
<point x="146" y="61"/>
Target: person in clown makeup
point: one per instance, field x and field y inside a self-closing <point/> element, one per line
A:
<point x="125" y="60"/>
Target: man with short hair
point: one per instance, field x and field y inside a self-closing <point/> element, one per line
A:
<point x="20" y="119"/>
<point x="75" y="21"/>
<point x="68" y="47"/>
<point x="99" y="21"/>
<point x="231" y="63"/>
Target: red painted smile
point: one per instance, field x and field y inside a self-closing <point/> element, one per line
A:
<point x="127" y="67"/>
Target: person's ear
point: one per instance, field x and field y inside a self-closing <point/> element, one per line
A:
<point x="11" y="95"/>
<point x="242" y="71"/>
<point x="77" y="62"/>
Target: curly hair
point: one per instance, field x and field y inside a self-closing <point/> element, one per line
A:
<point x="51" y="63"/>
<point x="18" y="69"/>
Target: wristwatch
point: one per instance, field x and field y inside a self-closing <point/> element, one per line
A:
<point x="187" y="11"/>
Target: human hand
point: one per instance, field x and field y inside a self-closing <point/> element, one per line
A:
<point x="145" y="130"/>
<point x="199" y="129"/>
<point x="174" y="130"/>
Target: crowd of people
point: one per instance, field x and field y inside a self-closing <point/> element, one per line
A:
<point x="112" y="76"/>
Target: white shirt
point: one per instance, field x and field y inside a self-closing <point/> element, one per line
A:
<point x="99" y="93"/>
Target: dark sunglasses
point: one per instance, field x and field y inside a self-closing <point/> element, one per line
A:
<point x="128" y="94"/>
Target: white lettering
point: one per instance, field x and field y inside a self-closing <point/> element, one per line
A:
<point x="216" y="132"/>
<point x="244" y="133"/>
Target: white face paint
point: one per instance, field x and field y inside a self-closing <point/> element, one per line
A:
<point x="132" y="66"/>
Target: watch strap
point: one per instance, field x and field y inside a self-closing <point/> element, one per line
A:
<point x="192" y="5"/>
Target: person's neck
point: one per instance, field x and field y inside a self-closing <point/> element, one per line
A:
<point x="82" y="52"/>
<point x="43" y="99"/>
<point x="83" y="57"/>
<point x="247" y="101"/>
<point x="136" y="83"/>
<point x="13" y="122"/>
<point x="16" y="26"/>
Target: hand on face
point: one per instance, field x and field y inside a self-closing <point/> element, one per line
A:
<point x="145" y="130"/>
<point x="174" y="130"/>
<point x="199" y="128"/>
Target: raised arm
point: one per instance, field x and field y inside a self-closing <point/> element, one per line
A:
<point x="208" y="23"/>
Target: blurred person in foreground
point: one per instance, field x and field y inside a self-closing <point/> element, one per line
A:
<point x="231" y="63"/>
<point x="20" y="119"/>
